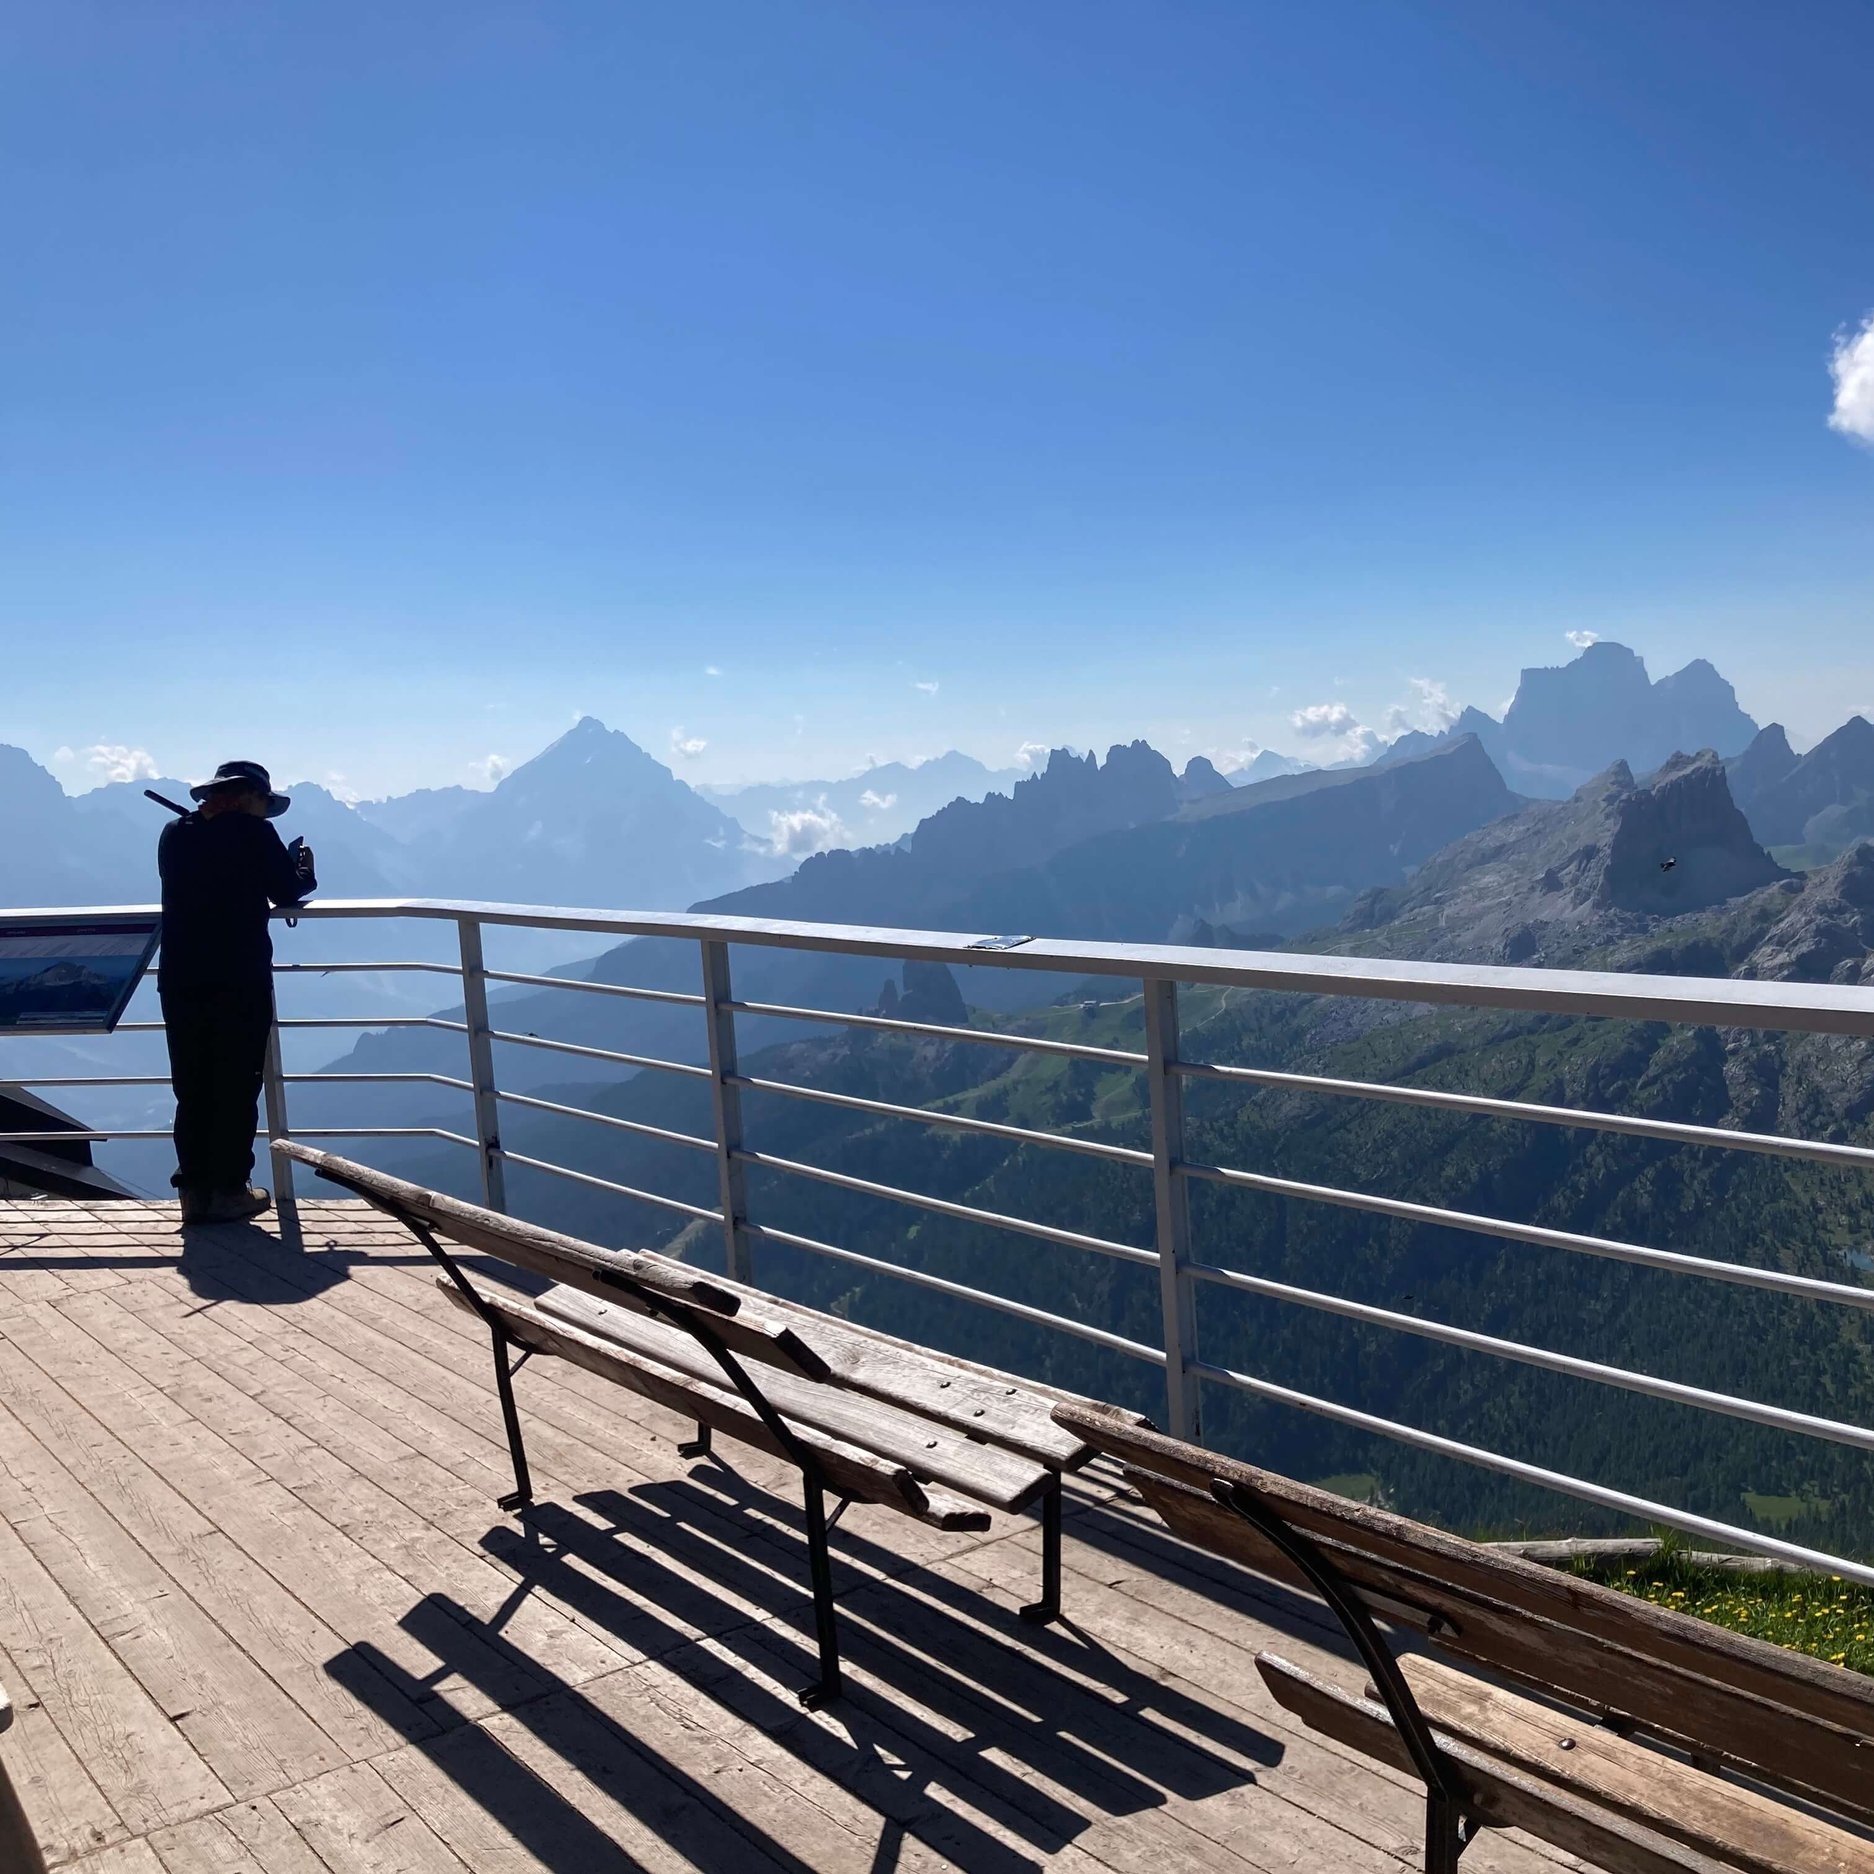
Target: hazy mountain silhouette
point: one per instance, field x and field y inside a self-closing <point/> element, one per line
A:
<point x="1568" y="722"/>
<point x="1816" y="804"/>
<point x="869" y="809"/>
<point x="591" y="820"/>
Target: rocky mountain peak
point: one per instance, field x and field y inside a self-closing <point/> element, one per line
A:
<point x="1679" y="843"/>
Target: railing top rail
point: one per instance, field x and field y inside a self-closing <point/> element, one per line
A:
<point x="1820" y="1008"/>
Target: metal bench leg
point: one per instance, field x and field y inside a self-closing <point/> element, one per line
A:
<point x="1047" y="1610"/>
<point x="697" y="1447"/>
<point x="826" y="1629"/>
<point x="523" y="1492"/>
<point x="1449" y="1827"/>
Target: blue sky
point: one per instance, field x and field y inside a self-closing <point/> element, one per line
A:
<point x="386" y="385"/>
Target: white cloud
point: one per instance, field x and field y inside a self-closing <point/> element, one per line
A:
<point x="1852" y="368"/>
<point x="1320" y="719"/>
<point x="807" y="830"/>
<point x="112" y="761"/>
<point x="62" y="753"/>
<point x="712" y="670"/>
<point x="686" y="747"/>
<point x="1582" y="639"/>
<point x="490" y="769"/>
<point x="1235" y="760"/>
<point x="928" y="689"/>
<point x="879" y="803"/>
<point x="1032" y="755"/>
<point x="1429" y="708"/>
<point x="342" y="789"/>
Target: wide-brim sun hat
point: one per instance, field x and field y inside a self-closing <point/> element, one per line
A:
<point x="243" y="774"/>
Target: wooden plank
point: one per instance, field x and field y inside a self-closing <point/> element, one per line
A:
<point x="359" y="1555"/>
<point x="251" y="1838"/>
<point x="1503" y="1796"/>
<point x="1705" y="1812"/>
<point x="69" y="1814"/>
<point x="354" y="1821"/>
<point x="145" y="1767"/>
<point x="1754" y="1667"/>
<point x="930" y="1451"/>
<point x="133" y="1463"/>
<point x="979" y="1401"/>
<point x="747" y="1330"/>
<point x="1810" y="1759"/>
<point x="847" y="1471"/>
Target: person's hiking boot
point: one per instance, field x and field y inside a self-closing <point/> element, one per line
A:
<point x="195" y="1202"/>
<point x="235" y="1206"/>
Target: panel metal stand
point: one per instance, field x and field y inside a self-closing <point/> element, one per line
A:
<point x="1450" y="1827"/>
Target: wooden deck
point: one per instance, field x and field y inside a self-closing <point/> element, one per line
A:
<point x="258" y="1611"/>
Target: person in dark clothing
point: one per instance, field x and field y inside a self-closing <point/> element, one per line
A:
<point x="224" y="869"/>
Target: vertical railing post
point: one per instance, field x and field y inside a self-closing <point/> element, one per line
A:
<point x="481" y="1052"/>
<point x="731" y="1179"/>
<point x="1171" y="1204"/>
<point x="279" y="1127"/>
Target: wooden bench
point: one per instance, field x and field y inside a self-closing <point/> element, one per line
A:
<point x="1610" y="1669"/>
<point x="863" y="1416"/>
<point x="19" y="1850"/>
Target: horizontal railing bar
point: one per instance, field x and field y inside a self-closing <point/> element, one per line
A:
<point x="1675" y="1262"/>
<point x="967" y="1213"/>
<point x="362" y="969"/>
<point x="436" y="1080"/>
<point x="1020" y="1310"/>
<point x="382" y="1132"/>
<point x="596" y="989"/>
<point x="365" y="1021"/>
<point x="599" y="1054"/>
<point x="993" y="1037"/>
<point x="886" y="1109"/>
<point x="84" y="1135"/>
<point x="1821" y="1151"/>
<point x="1725" y="1002"/>
<point x="606" y="1119"/>
<point x="1559" y="1481"/>
<point x="87" y="1080"/>
<point x="605" y="1184"/>
<point x="1778" y="1418"/>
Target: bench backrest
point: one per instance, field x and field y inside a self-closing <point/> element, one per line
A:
<point x="634" y="1279"/>
<point x="1795" y="1721"/>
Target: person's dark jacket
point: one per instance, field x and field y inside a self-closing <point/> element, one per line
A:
<point x="221" y="878"/>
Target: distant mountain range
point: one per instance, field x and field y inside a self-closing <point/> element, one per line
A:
<point x="872" y="808"/>
<point x="1117" y="850"/>
<point x="1568" y="722"/>
<point x="591" y="820"/>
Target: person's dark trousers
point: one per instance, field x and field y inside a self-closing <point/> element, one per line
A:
<point x="217" y="1055"/>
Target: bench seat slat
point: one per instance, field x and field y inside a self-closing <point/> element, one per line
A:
<point x="976" y="1400"/>
<point x="1812" y="1687"/>
<point x="1659" y="1792"/>
<point x="1504" y="1795"/>
<point x="1795" y="1752"/>
<point x="1002" y="1479"/>
<point x="848" y="1471"/>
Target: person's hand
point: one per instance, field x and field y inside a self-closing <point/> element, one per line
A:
<point x="306" y="865"/>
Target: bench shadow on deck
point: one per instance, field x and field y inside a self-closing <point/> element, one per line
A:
<point x="258" y="1611"/>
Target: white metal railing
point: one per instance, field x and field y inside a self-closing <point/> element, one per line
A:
<point x="1159" y="970"/>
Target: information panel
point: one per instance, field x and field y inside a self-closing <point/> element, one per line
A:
<point x="71" y="979"/>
